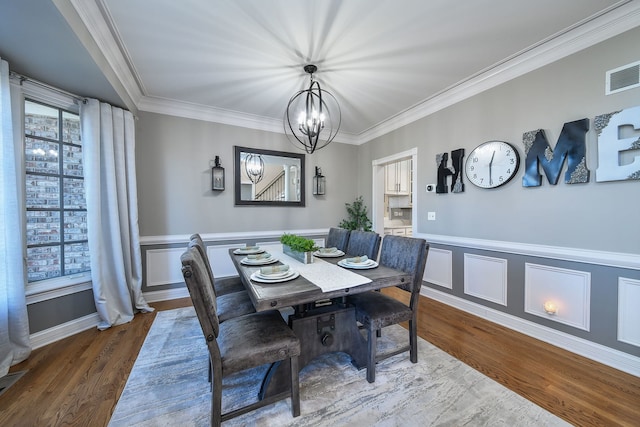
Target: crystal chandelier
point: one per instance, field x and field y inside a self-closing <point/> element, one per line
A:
<point x="316" y="116"/>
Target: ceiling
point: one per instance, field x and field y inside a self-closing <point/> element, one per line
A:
<point x="239" y="61"/>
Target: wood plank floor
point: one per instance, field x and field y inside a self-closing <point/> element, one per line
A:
<point x="77" y="381"/>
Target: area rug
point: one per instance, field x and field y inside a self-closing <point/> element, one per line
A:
<point x="168" y="387"/>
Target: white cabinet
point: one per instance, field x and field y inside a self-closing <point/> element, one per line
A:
<point x="398" y="177"/>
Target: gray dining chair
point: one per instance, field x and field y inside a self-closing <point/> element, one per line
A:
<point x="337" y="238"/>
<point x="240" y="343"/>
<point x="374" y="310"/>
<point x="225" y="285"/>
<point x="229" y="305"/>
<point x="363" y="243"/>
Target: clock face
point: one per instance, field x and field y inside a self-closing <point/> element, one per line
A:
<point x="492" y="164"/>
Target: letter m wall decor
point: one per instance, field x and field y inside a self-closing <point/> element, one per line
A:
<point x="570" y="146"/>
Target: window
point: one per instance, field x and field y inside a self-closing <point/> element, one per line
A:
<point x="56" y="212"/>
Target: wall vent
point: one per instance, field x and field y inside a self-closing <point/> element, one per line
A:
<point x="623" y="78"/>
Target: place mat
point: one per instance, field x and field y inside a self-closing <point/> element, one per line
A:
<point x="326" y="276"/>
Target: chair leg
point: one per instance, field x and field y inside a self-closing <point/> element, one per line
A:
<point x="378" y="333"/>
<point x="413" y="341"/>
<point x="216" y="398"/>
<point x="295" y="387"/>
<point x="371" y="355"/>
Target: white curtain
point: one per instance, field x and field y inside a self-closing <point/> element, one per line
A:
<point x="108" y="147"/>
<point x="15" y="345"/>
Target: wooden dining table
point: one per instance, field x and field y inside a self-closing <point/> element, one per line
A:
<point x="323" y="321"/>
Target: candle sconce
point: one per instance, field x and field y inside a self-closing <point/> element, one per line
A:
<point x="217" y="176"/>
<point x="319" y="182"/>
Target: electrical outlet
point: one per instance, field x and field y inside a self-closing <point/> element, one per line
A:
<point x="431" y="216"/>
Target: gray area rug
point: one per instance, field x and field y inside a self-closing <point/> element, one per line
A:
<point x="168" y="387"/>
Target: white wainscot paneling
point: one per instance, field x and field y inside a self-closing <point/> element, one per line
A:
<point x="221" y="263"/>
<point x="486" y="278"/>
<point x="628" y="311"/>
<point x="439" y="268"/>
<point x="164" y="266"/>
<point x="569" y="290"/>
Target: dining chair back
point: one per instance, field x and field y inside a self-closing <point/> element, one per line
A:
<point x="375" y="310"/>
<point x="223" y="286"/>
<point x="239" y="343"/>
<point x="363" y="243"/>
<point x="229" y="304"/>
<point x="337" y="238"/>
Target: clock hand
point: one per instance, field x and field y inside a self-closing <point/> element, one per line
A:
<point x="491" y="163"/>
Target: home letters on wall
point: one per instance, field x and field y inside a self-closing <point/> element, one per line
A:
<point x="617" y="137"/>
<point x="571" y="146"/>
<point x="445" y="171"/>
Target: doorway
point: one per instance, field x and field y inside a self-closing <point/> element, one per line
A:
<point x="394" y="193"/>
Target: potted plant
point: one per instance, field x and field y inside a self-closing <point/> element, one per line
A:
<point x="298" y="247"/>
<point x="358" y="216"/>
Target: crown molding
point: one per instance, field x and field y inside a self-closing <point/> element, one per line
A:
<point x="619" y="18"/>
<point x="613" y="21"/>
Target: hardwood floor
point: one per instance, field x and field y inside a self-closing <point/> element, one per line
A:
<point x="77" y="381"/>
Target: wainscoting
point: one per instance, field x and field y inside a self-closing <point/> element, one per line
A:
<point x="595" y="294"/>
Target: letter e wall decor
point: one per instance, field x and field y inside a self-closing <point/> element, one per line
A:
<point x="615" y="137"/>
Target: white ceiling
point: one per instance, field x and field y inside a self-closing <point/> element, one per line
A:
<point x="239" y="61"/>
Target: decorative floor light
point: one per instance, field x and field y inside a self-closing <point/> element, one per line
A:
<point x="254" y="166"/>
<point x="312" y="117"/>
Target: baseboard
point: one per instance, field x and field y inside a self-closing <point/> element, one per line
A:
<point x="168" y="294"/>
<point x="64" y="330"/>
<point x="599" y="353"/>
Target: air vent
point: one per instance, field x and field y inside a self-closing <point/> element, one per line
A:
<point x="623" y="78"/>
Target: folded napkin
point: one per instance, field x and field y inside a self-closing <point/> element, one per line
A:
<point x="328" y="250"/>
<point x="265" y="271"/>
<point x="251" y="248"/>
<point x="357" y="260"/>
<point x="263" y="255"/>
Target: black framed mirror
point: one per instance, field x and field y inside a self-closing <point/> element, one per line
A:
<point x="268" y="178"/>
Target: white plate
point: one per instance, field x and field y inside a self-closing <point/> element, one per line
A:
<point x="358" y="266"/>
<point x="241" y="251"/>
<point x="335" y="254"/>
<point x="275" y="275"/>
<point x="263" y="261"/>
<point x="257" y="278"/>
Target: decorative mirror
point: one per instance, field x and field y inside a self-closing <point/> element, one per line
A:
<point x="268" y="178"/>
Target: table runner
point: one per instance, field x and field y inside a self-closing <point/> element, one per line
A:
<point x="326" y="276"/>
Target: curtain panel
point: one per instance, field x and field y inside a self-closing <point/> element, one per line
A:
<point x="15" y="344"/>
<point x="108" y="140"/>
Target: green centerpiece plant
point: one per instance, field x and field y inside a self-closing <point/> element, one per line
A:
<point x="298" y="247"/>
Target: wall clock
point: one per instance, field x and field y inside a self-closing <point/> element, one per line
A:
<point x="492" y="164"/>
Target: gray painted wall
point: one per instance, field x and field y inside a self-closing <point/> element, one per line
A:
<point x="599" y="216"/>
<point x="174" y="179"/>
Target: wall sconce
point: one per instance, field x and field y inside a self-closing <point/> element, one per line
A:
<point x="319" y="182"/>
<point x="217" y="176"/>
<point x="550" y="307"/>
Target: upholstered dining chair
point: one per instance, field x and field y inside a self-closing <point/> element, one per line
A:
<point x="240" y="343"/>
<point x="363" y="243"/>
<point x="374" y="310"/>
<point x="223" y="286"/>
<point x="231" y="304"/>
<point x="337" y="238"/>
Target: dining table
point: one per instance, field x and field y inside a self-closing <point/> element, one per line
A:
<point x="322" y="318"/>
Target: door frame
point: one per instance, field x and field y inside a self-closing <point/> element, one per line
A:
<point x="377" y="167"/>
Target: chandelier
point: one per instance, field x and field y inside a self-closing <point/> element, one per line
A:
<point x="316" y="116"/>
<point x="254" y="166"/>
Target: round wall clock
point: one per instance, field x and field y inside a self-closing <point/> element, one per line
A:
<point x="492" y="164"/>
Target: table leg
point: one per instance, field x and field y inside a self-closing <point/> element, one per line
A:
<point x="322" y="330"/>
